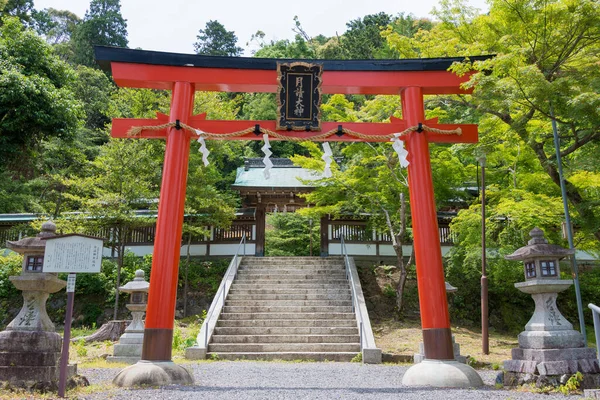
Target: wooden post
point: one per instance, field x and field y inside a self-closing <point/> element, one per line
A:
<point x="435" y="320"/>
<point x="160" y="315"/>
<point x="325" y="236"/>
<point x="260" y="230"/>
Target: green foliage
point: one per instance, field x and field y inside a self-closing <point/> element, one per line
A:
<point x="357" y="358"/>
<point x="36" y="101"/>
<point x="11" y="264"/>
<point x="205" y="276"/>
<point x="290" y="235"/>
<point x="215" y="40"/>
<point x="103" y="25"/>
<point x="362" y="39"/>
<point x="389" y="291"/>
<point x="572" y="385"/>
<point x="80" y="348"/>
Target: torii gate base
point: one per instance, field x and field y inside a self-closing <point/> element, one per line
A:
<point x="185" y="74"/>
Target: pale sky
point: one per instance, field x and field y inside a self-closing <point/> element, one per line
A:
<point x="172" y="25"/>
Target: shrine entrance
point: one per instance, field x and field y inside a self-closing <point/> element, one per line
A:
<point x="280" y="194"/>
<point x="297" y="85"/>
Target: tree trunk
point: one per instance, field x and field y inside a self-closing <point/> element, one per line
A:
<point x="402" y="280"/>
<point x="121" y="250"/>
<point x="111" y="330"/>
<point x="185" y="282"/>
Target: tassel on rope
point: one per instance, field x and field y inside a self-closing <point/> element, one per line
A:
<point x="267" y="160"/>
<point x="398" y="146"/>
<point x="205" y="152"/>
<point x="327" y="158"/>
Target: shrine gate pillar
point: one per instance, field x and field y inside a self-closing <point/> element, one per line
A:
<point x="439" y="367"/>
<point x="160" y="315"/>
<point x="435" y="319"/>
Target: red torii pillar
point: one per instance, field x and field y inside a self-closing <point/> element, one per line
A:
<point x="135" y="68"/>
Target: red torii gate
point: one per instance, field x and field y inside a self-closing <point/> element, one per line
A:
<point x="184" y="74"/>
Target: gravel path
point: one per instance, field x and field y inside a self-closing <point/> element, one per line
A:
<point x="272" y="380"/>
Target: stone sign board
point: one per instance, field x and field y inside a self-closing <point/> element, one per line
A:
<point x="73" y="254"/>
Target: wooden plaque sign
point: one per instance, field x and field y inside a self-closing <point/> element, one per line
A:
<point x="299" y="96"/>
<point x="73" y="253"/>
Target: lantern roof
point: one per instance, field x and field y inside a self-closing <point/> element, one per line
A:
<point x="36" y="243"/>
<point x="138" y="284"/>
<point x="538" y="247"/>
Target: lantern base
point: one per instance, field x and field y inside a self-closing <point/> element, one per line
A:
<point x="441" y="373"/>
<point x="153" y="373"/>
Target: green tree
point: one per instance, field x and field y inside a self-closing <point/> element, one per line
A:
<point x="362" y="39"/>
<point x="56" y="26"/>
<point x="547" y="64"/>
<point x="215" y="40"/>
<point x="125" y="177"/>
<point x="103" y="25"/>
<point x="22" y="9"/>
<point x="36" y="100"/>
<point x="291" y="234"/>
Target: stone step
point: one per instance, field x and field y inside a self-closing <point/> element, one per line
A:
<point x="293" y="315"/>
<point x="285" y="274"/>
<point x="287" y="309"/>
<point x="286" y="323"/>
<point x="253" y="339"/>
<point x="291" y="297"/>
<point x="303" y="330"/>
<point x="296" y="268"/>
<point x="286" y="303"/>
<point x="286" y="356"/>
<point x="289" y="285"/>
<point x="282" y="347"/>
<point x="276" y="290"/>
<point x="300" y="260"/>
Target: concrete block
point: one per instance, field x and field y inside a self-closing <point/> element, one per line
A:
<point x="195" y="353"/>
<point x="371" y="356"/>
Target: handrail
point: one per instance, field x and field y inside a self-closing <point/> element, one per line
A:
<point x="224" y="287"/>
<point x="596" y="313"/>
<point x="355" y="305"/>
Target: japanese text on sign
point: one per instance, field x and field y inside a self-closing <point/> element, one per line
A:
<point x="73" y="254"/>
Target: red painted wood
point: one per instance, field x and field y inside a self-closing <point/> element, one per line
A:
<point x="160" y="313"/>
<point x="248" y="80"/>
<point x="428" y="254"/>
<point x="469" y="132"/>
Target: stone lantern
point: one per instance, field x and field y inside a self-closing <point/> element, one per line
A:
<point x="549" y="347"/>
<point x="129" y="348"/>
<point x="29" y="346"/>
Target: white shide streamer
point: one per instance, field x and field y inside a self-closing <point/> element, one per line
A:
<point x="327" y="158"/>
<point x="398" y="146"/>
<point x="267" y="160"/>
<point x="205" y="152"/>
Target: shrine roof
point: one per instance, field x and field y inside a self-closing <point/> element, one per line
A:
<point x="283" y="175"/>
<point x="105" y="55"/>
<point x="159" y="70"/>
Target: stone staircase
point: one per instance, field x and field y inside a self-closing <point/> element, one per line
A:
<point x="287" y="308"/>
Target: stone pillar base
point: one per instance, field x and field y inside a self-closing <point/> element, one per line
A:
<point x="31" y="360"/>
<point x="513" y="379"/>
<point x="153" y="373"/>
<point x="441" y="373"/>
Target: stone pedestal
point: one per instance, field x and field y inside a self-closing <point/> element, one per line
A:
<point x="129" y="348"/>
<point x="30" y="350"/>
<point x="549" y="347"/>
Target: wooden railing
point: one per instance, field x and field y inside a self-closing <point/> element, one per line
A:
<point x="358" y="232"/>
